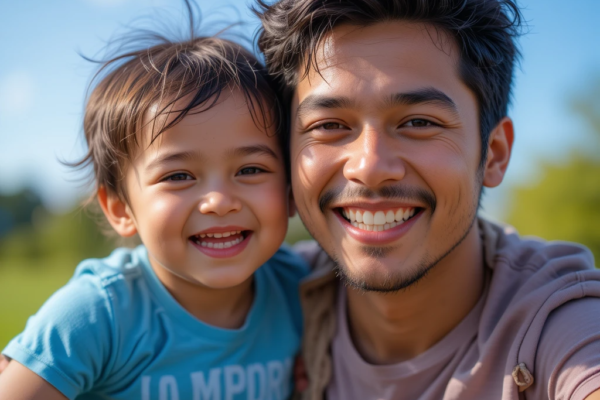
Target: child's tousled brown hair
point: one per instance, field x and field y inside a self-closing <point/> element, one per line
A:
<point x="199" y="69"/>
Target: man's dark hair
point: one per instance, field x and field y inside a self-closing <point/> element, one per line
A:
<point x="484" y="30"/>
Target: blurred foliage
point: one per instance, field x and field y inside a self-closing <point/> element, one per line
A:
<point x="565" y="203"/>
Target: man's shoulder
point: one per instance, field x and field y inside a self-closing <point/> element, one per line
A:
<point x="504" y="247"/>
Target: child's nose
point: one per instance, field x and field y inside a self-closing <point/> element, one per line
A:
<point x="219" y="203"/>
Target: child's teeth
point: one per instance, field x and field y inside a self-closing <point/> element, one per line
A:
<point x="222" y="245"/>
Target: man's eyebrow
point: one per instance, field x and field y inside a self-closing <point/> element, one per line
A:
<point x="422" y="96"/>
<point x="175" y="156"/>
<point x="315" y="102"/>
<point x="254" y="149"/>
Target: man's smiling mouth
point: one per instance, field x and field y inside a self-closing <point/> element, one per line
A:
<point x="377" y="220"/>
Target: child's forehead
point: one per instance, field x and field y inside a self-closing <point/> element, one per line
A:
<point x="224" y="122"/>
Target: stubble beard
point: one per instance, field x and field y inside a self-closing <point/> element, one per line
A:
<point x="404" y="277"/>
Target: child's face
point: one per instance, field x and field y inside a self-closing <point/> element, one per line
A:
<point x="209" y="197"/>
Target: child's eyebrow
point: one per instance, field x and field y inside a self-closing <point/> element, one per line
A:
<point x="251" y="150"/>
<point x="170" y="157"/>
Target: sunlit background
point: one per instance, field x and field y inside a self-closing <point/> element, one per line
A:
<point x="552" y="189"/>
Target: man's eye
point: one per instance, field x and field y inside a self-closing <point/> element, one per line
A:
<point x="250" y="171"/>
<point x="180" y="176"/>
<point x="418" y="123"/>
<point x="328" y="126"/>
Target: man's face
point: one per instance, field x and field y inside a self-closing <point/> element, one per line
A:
<point x="385" y="152"/>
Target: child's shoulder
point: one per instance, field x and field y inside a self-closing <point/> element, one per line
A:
<point x="288" y="263"/>
<point x="121" y="264"/>
<point x="285" y="268"/>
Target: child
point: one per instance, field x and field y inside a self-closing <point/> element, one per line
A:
<point x="187" y="152"/>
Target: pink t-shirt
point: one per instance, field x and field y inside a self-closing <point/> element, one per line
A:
<point x="524" y="314"/>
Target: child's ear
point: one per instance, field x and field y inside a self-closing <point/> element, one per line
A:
<point x="117" y="212"/>
<point x="291" y="203"/>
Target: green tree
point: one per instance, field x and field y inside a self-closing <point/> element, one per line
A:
<point x="565" y="203"/>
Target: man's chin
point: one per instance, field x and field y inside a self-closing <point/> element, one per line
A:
<point x="375" y="276"/>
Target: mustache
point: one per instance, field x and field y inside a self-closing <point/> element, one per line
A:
<point x="400" y="193"/>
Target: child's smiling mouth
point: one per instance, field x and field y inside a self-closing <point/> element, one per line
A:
<point x="221" y="242"/>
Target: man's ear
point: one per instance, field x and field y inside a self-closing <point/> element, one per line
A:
<point x="499" y="150"/>
<point x="291" y="203"/>
<point x="117" y="212"/>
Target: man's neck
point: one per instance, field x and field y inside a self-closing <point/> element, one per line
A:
<point x="388" y="328"/>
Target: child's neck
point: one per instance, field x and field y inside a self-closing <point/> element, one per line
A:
<point x="224" y="308"/>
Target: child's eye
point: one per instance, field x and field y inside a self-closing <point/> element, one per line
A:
<point x="250" y="171"/>
<point x="179" y="176"/>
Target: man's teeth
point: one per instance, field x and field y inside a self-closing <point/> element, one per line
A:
<point x="378" y="220"/>
<point x="222" y="245"/>
<point x="219" y="235"/>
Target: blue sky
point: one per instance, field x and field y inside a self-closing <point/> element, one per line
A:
<point x="43" y="81"/>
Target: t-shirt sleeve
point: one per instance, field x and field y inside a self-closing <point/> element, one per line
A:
<point x="67" y="342"/>
<point x="568" y="356"/>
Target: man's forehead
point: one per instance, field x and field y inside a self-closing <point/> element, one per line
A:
<point x="377" y="57"/>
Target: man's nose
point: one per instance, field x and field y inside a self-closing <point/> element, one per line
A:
<point x="373" y="160"/>
<point x="219" y="202"/>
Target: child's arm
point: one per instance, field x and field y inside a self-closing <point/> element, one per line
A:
<point x="20" y="383"/>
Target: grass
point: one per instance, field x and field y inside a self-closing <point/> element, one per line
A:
<point x="23" y="289"/>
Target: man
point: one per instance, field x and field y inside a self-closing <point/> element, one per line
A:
<point x="398" y="120"/>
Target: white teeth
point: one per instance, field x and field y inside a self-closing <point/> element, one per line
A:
<point x="223" y="245"/>
<point x="389" y="217"/>
<point x="218" y="235"/>
<point x="209" y="234"/>
<point x="368" y="218"/>
<point x="226" y="234"/>
<point x="202" y="235"/>
<point x="359" y="217"/>
<point x="379" y="218"/>
<point x="399" y="214"/>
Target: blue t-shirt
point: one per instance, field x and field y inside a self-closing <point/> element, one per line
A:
<point x="115" y="332"/>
